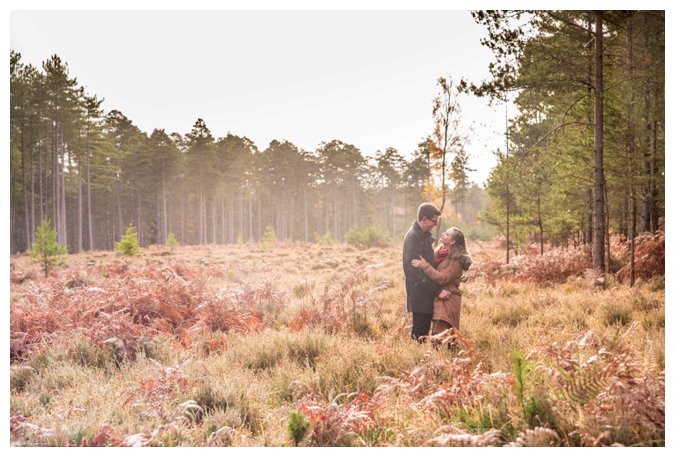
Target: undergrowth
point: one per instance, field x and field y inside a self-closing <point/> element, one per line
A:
<point x="174" y="352"/>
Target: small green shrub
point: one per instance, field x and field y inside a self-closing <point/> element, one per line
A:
<point x="325" y="239"/>
<point x="511" y="315"/>
<point x="372" y="236"/>
<point x="45" y="250"/>
<point x="45" y="399"/>
<point x="298" y="426"/>
<point x="302" y="289"/>
<point x="645" y="303"/>
<point x="128" y="245"/>
<point x="232" y="275"/>
<point x="363" y="326"/>
<point x="172" y="242"/>
<point x="88" y="355"/>
<point x="270" y="236"/>
<point x="616" y="313"/>
<point x="530" y="393"/>
<point x="19" y="377"/>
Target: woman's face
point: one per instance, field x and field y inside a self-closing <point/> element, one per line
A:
<point x="447" y="239"/>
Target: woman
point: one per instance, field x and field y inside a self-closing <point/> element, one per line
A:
<point x="451" y="261"/>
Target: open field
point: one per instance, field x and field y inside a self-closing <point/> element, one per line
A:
<point x="222" y="345"/>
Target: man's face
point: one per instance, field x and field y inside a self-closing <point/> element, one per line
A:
<point x="428" y="224"/>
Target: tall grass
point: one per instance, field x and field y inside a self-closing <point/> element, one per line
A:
<point x="173" y="353"/>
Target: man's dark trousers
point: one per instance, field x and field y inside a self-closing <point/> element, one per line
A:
<point x="421" y="325"/>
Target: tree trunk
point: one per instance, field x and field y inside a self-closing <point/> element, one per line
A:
<point x="165" y="213"/>
<point x="64" y="224"/>
<point x="231" y="234"/>
<point x="80" y="218"/>
<point x="304" y="198"/>
<point x="200" y="210"/>
<point x="599" y="209"/>
<point x="118" y="197"/>
<point x="540" y="224"/>
<point x="631" y="234"/>
<point x="55" y="183"/>
<point x="32" y="200"/>
<point x="42" y="177"/>
<point x="508" y="197"/>
<point x="631" y="223"/>
<point x="623" y="220"/>
<point x="588" y="236"/>
<point x="113" y="233"/>
<point x="158" y="219"/>
<point x="406" y="192"/>
<point x="608" y="256"/>
<point x="384" y="205"/>
<point x="259" y="215"/>
<point x="250" y="218"/>
<point x="182" y="211"/>
<point x="90" y="224"/>
<point x="291" y="219"/>
<point x="335" y="214"/>
<point x="654" y="172"/>
<point x="12" y="223"/>
<point x="222" y="221"/>
<point x="139" y="218"/>
<point x="325" y="211"/>
<point x="214" y="221"/>
<point x="241" y="216"/>
<point x="205" y="225"/>
<point x="25" y="196"/>
<point x="393" y="210"/>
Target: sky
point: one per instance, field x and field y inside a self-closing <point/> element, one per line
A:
<point x="366" y="78"/>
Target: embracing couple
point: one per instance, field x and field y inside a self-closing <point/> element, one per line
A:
<point x="432" y="276"/>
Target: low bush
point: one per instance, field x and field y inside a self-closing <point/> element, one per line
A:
<point x="372" y="236"/>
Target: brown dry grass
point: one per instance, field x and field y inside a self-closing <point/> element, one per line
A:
<point x="215" y="345"/>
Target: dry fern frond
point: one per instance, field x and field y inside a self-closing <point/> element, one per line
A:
<point x="650" y="257"/>
<point x="449" y="435"/>
<point x="221" y="437"/>
<point x="537" y="437"/>
<point x="335" y="424"/>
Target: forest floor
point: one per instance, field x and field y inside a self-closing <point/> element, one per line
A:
<point x="281" y="344"/>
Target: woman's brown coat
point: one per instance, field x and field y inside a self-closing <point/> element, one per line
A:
<point x="447" y="275"/>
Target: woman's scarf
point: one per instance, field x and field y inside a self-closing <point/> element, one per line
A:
<point x="464" y="260"/>
<point x="440" y="255"/>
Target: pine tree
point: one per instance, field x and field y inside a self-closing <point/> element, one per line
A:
<point x="45" y="250"/>
<point x="128" y="245"/>
<point x="172" y="242"/>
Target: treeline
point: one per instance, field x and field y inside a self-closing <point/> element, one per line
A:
<point x="586" y="151"/>
<point x="93" y="173"/>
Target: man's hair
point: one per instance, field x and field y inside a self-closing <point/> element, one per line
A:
<point x="427" y="210"/>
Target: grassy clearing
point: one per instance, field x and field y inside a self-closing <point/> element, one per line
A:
<point x="228" y="345"/>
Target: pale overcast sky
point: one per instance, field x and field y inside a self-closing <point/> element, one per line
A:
<point x="364" y="77"/>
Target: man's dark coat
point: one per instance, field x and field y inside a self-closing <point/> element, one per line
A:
<point x="420" y="289"/>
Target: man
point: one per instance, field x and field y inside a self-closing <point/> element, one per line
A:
<point x="419" y="288"/>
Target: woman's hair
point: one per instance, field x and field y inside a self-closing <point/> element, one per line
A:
<point x="458" y="250"/>
<point x="460" y="242"/>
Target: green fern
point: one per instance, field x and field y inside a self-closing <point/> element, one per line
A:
<point x="582" y="386"/>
